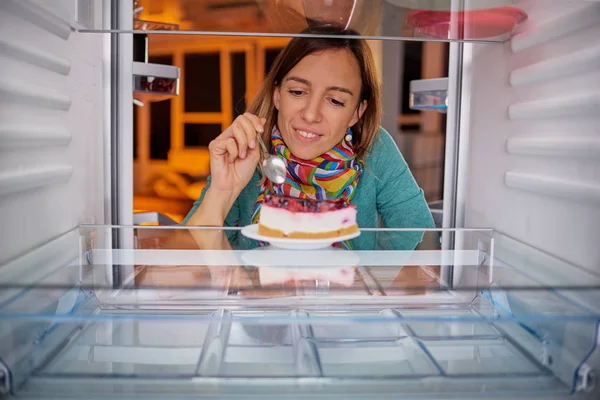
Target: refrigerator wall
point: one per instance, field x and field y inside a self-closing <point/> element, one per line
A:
<point x="53" y="93"/>
<point x="529" y="145"/>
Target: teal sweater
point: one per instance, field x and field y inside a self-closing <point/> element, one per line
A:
<point x="387" y="194"/>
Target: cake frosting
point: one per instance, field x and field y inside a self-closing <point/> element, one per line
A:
<point x="284" y="216"/>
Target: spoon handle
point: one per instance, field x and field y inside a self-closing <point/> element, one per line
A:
<point x="262" y="168"/>
<point x="262" y="144"/>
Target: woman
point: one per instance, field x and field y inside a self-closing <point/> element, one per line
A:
<point x="320" y="109"/>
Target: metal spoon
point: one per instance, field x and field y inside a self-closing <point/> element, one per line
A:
<point x="273" y="167"/>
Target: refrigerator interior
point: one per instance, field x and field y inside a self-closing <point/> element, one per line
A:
<point x="507" y="307"/>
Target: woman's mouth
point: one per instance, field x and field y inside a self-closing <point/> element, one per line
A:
<point x="306" y="136"/>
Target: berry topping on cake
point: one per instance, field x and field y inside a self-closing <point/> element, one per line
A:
<point x="304" y="205"/>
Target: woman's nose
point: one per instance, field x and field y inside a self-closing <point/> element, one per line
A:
<point x="312" y="110"/>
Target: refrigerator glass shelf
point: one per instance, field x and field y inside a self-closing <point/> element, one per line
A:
<point x="172" y="311"/>
<point x="474" y="21"/>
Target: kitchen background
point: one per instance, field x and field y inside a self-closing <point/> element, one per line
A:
<point x="218" y="77"/>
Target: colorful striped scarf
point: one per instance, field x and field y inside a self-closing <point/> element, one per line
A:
<point x="332" y="175"/>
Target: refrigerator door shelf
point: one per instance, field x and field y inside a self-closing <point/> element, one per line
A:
<point x="154" y="82"/>
<point x="429" y="95"/>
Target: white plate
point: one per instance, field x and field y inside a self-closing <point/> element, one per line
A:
<point x="251" y="231"/>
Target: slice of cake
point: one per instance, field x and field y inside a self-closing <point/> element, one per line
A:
<point x="283" y="216"/>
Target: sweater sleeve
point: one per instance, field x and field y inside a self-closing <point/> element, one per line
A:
<point x="231" y="220"/>
<point x="400" y="201"/>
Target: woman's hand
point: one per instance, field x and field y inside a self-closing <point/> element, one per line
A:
<point x="234" y="154"/>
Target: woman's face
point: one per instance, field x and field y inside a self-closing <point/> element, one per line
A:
<point x="318" y="100"/>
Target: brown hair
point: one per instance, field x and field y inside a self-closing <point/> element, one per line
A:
<point x="367" y="127"/>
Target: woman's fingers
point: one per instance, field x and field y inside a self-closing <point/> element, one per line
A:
<point x="225" y="147"/>
<point x="251" y="128"/>
<point x="232" y="149"/>
<point x="218" y="147"/>
<point x="246" y="128"/>
<point x="239" y="137"/>
<point x="257" y="123"/>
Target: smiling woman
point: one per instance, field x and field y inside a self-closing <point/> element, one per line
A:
<point x="320" y="109"/>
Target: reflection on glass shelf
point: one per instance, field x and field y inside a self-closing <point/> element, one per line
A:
<point x="445" y="20"/>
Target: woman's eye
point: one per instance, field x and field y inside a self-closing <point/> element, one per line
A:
<point x="295" y="92"/>
<point x="337" y="103"/>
